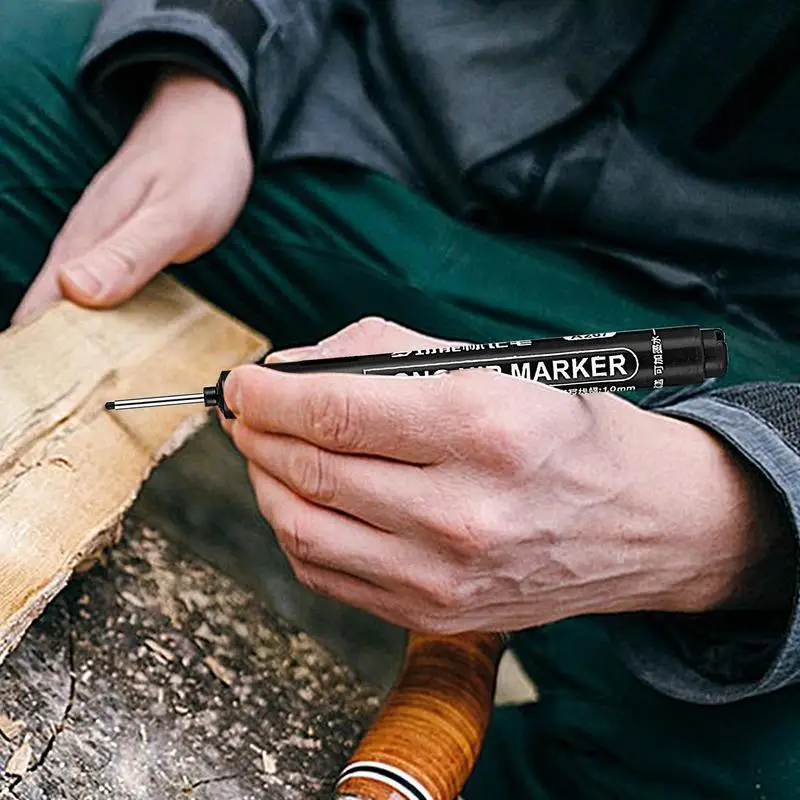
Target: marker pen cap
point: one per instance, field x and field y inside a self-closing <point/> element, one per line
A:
<point x="715" y="352"/>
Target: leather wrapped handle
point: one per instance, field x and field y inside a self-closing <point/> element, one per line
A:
<point x="426" y="739"/>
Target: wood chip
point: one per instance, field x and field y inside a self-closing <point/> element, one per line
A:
<point x="269" y="764"/>
<point x="205" y="632"/>
<point x="193" y="599"/>
<point x="159" y="650"/>
<point x="11" y="728"/>
<point x="223" y="673"/>
<point x="20" y="759"/>
<point x="131" y="599"/>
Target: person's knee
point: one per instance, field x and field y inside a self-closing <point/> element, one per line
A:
<point x="46" y="28"/>
<point x="50" y="148"/>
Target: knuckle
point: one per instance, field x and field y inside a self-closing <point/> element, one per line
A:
<point x="241" y="435"/>
<point x="467" y="529"/>
<point x="307" y="577"/>
<point x="293" y="534"/>
<point x="371" y="327"/>
<point x="447" y="593"/>
<point x="248" y="401"/>
<point x="121" y="255"/>
<point x="332" y="418"/>
<point x="309" y="470"/>
<point x="498" y="439"/>
<point x="471" y="536"/>
<point x="363" y="333"/>
<point x="500" y="433"/>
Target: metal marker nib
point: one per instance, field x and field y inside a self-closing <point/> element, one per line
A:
<point x="156" y="402"/>
<point x="210" y="397"/>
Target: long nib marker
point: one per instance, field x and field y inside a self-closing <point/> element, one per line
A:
<point x="624" y="361"/>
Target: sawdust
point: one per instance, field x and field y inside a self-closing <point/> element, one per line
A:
<point x="223" y="673"/>
<point x="268" y="763"/>
<point x="159" y="650"/>
<point x="157" y="699"/>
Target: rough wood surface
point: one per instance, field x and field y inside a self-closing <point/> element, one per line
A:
<point x="68" y="468"/>
<point x="154" y="677"/>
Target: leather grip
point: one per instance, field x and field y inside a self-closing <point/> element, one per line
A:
<point x="426" y="739"/>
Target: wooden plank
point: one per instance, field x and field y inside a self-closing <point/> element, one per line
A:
<point x="68" y="468"/>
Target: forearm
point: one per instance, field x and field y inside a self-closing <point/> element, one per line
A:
<point x="262" y="50"/>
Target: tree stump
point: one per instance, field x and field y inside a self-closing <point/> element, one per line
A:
<point x="155" y="676"/>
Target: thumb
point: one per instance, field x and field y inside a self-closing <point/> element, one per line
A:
<point x="120" y="265"/>
<point x="368" y="336"/>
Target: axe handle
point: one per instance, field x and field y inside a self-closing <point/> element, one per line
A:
<point x="426" y="739"/>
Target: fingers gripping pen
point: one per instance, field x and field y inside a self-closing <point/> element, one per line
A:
<point x="624" y="361"/>
<point x="426" y="739"/>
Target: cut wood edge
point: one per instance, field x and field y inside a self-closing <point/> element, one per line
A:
<point x="12" y="632"/>
<point x="41" y="544"/>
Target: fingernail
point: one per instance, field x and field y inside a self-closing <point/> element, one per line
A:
<point x="89" y="283"/>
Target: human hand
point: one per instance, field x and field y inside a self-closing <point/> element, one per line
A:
<point x="171" y="192"/>
<point x="478" y="501"/>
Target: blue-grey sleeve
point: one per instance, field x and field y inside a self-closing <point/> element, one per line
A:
<point x="265" y="50"/>
<point x="721" y="657"/>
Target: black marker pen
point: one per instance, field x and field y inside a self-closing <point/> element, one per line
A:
<point x="622" y="361"/>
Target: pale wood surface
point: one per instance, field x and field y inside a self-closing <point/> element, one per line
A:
<point x="68" y="468"/>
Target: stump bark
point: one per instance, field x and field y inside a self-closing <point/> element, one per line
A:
<point x="155" y="676"/>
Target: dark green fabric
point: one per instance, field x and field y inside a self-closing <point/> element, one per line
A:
<point x="319" y="246"/>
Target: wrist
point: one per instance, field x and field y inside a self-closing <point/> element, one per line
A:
<point x="178" y="81"/>
<point x="186" y="104"/>
<point x="739" y="542"/>
<point x="697" y="526"/>
<point x="182" y="90"/>
<point x="759" y="533"/>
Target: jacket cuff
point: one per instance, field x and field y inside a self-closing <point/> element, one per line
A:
<point x="129" y="49"/>
<point x="722" y="657"/>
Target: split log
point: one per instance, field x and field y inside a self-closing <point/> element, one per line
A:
<point x="68" y="468"/>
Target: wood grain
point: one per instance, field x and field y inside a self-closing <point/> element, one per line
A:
<point x="68" y="468"/>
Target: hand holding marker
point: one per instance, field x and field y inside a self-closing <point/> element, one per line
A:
<point x="650" y="358"/>
<point x="438" y="706"/>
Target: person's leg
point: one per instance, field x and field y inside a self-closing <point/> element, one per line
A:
<point x="318" y="247"/>
<point x="51" y="144"/>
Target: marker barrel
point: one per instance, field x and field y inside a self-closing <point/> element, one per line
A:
<point x="650" y="358"/>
